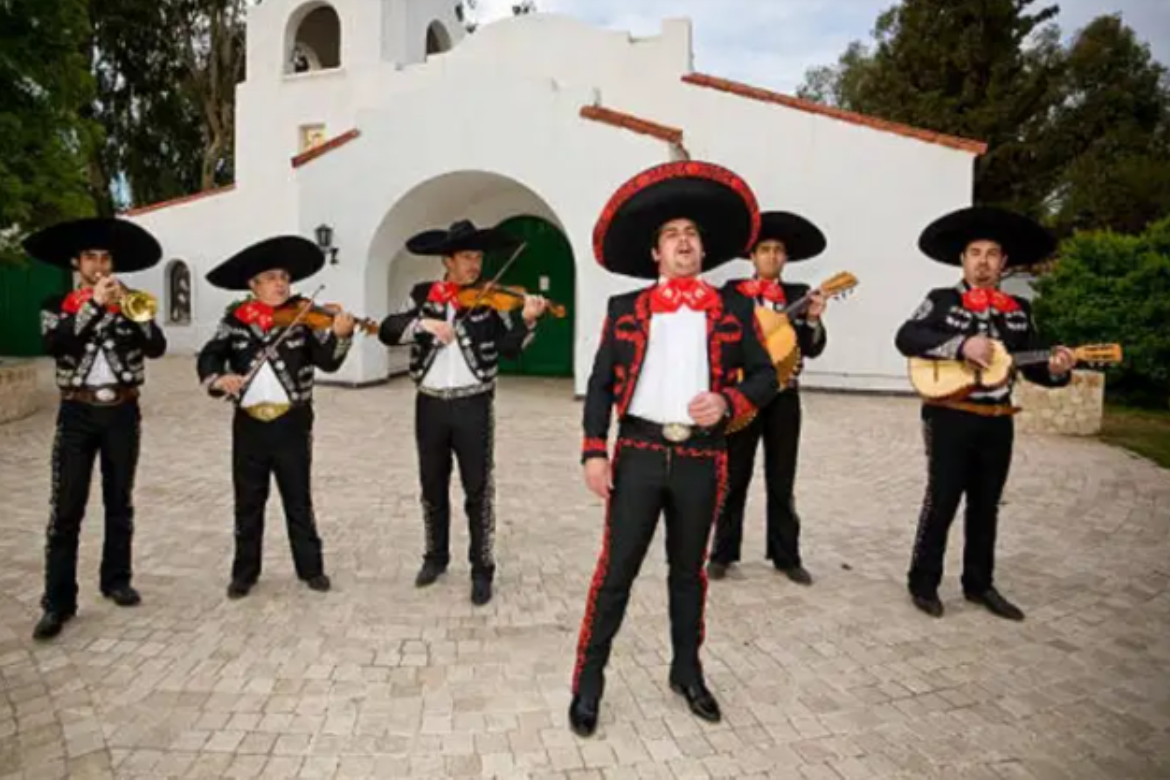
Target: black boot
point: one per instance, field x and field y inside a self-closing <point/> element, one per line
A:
<point x="123" y="596"/>
<point x="51" y="624"/>
<point x="797" y="574"/>
<point x="481" y="591"/>
<point x="699" y="699"/>
<point x="583" y="714"/>
<point x="427" y="575"/>
<point x="996" y="604"/>
<point x="320" y="583"/>
<point x="237" y="589"/>
<point x="717" y="570"/>
<point x="929" y="604"/>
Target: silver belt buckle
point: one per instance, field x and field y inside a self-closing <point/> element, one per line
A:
<point x="676" y="432"/>
<point x="105" y="395"/>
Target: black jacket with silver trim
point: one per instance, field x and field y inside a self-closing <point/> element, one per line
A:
<point x="74" y="340"/>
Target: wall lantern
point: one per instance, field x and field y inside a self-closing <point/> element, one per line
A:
<point x="325" y="242"/>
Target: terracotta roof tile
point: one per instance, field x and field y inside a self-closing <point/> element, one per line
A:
<point x="767" y="96"/>
<point x="328" y="146"/>
<point x="608" y="116"/>
<point x="178" y="201"/>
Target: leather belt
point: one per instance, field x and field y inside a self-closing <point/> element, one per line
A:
<point x="671" y="433"/>
<point x="983" y="410"/>
<point x="452" y="393"/>
<point x="100" y="396"/>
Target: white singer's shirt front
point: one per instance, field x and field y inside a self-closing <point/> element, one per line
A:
<point x="449" y="370"/>
<point x="265" y="387"/>
<point x="675" y="368"/>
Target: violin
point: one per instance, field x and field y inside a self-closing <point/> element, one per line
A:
<point x="501" y="298"/>
<point x="318" y="317"/>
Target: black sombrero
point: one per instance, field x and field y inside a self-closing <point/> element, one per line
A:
<point x="1024" y="241"/>
<point x="462" y="236"/>
<point x="802" y="239"/>
<point x="300" y="257"/>
<point x="131" y="247"/>
<point x="718" y="201"/>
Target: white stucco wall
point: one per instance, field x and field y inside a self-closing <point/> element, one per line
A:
<point x="492" y="129"/>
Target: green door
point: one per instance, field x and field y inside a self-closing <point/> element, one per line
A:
<point x="544" y="268"/>
<point x="23" y="288"/>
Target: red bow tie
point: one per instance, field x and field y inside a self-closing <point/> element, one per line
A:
<point x="693" y="293"/>
<point x="768" y="289"/>
<point x="76" y="299"/>
<point x="255" y="313"/>
<point x="444" y="293"/>
<point x="980" y="300"/>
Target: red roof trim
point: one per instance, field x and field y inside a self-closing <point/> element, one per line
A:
<point x="767" y="96"/>
<point x="178" y="201"/>
<point x="608" y="116"/>
<point x="328" y="146"/>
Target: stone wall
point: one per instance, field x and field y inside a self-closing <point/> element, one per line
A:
<point x="1074" y="410"/>
<point x="19" y="396"/>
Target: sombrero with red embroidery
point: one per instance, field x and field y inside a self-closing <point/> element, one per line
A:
<point x="1024" y="241"/>
<point x="131" y="247"/>
<point x="300" y="257"/>
<point x="802" y="239"/>
<point x="718" y="201"/>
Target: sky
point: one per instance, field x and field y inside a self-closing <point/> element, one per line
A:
<point x="770" y="43"/>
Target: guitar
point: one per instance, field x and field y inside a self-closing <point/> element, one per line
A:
<point x="780" y="336"/>
<point x="949" y="380"/>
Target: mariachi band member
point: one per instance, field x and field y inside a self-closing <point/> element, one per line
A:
<point x="454" y="356"/>
<point x="784" y="238"/>
<point x="670" y="359"/>
<point x="265" y="361"/>
<point x="969" y="442"/>
<point x="99" y="353"/>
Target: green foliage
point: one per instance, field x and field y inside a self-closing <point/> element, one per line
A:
<point x="44" y="80"/>
<point x="1079" y="137"/>
<point x="1108" y="287"/>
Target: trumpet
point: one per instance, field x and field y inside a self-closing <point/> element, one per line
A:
<point x="137" y="305"/>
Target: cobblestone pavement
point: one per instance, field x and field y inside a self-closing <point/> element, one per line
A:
<point x="377" y="679"/>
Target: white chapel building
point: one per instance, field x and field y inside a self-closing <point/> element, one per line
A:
<point x="377" y="119"/>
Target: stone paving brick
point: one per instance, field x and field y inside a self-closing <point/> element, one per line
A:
<point x="842" y="680"/>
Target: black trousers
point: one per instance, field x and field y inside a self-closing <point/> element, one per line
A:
<point x="260" y="450"/>
<point x="84" y="433"/>
<point x="462" y="428"/>
<point x="778" y="424"/>
<point x="684" y="483"/>
<point x="967" y="455"/>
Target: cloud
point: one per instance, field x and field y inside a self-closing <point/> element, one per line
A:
<point x="772" y="43"/>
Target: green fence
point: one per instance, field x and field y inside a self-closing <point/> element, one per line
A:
<point x="22" y="290"/>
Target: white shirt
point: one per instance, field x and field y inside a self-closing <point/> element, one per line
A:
<point x="265" y="387"/>
<point x="449" y="369"/>
<point x="675" y="369"/>
<point x="100" y="373"/>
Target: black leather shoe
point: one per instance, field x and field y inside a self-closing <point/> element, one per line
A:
<point x="798" y="574"/>
<point x="928" y="604"/>
<point x="717" y="570"/>
<point x="481" y="591"/>
<point x="699" y="699"/>
<point x="996" y="604"/>
<point x="320" y="583"/>
<point x="428" y="574"/>
<point x="123" y="596"/>
<point x="238" y="589"/>
<point x="583" y="714"/>
<point x="51" y="624"/>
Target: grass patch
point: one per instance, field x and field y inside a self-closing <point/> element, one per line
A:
<point x="1144" y="431"/>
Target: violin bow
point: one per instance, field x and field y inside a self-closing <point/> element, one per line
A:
<point x="490" y="284"/>
<point x="270" y="351"/>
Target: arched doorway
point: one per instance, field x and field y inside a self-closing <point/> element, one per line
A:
<point x="545" y="267"/>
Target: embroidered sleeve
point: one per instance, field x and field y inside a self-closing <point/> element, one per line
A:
<point x="49" y="321"/>
<point x="342" y="347"/>
<point x="87" y="313"/>
<point x="593" y="448"/>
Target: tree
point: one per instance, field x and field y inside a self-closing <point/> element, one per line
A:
<point x="1109" y="136"/>
<point x="467" y="12"/>
<point x="44" y="79"/>
<point x="1108" y="287"/>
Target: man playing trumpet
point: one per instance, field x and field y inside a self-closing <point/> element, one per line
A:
<point x="99" y="352"/>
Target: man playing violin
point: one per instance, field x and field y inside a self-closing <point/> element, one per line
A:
<point x="99" y="354"/>
<point x="268" y="369"/>
<point x="969" y="442"/>
<point x="784" y="238"/>
<point x="671" y="360"/>
<point x="455" y="348"/>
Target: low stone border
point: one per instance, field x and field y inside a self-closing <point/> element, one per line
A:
<point x="19" y="396"/>
<point x="1075" y="410"/>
